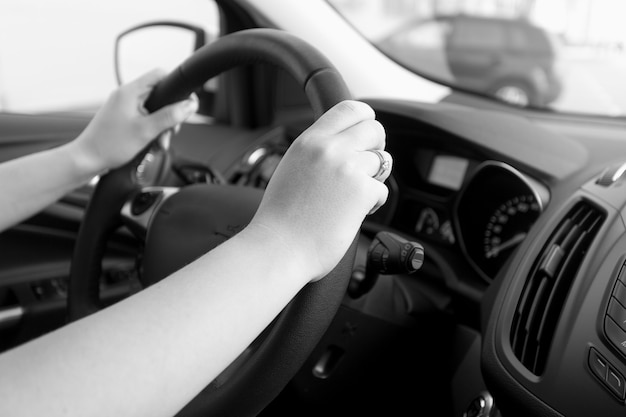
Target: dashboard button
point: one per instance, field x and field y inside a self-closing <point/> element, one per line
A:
<point x="598" y="365"/>
<point x="615" y="334"/>
<point x="143" y="201"/>
<point x="611" y="378"/>
<point x="618" y="313"/>
<point x="622" y="274"/>
<point x="619" y="292"/>
<point x="615" y="381"/>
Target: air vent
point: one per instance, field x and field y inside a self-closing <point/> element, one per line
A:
<point x="548" y="284"/>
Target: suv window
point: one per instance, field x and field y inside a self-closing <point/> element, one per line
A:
<point x="538" y="41"/>
<point x="478" y="35"/>
<point x="519" y="40"/>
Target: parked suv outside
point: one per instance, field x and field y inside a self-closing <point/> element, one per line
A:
<point x="510" y="59"/>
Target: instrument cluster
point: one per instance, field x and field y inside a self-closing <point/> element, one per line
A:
<point x="483" y="208"/>
<point x="494" y="213"/>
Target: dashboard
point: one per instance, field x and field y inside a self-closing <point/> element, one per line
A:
<point x="471" y="194"/>
<point x="483" y="208"/>
<point x="534" y="220"/>
<point x="537" y="218"/>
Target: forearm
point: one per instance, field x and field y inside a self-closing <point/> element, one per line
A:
<point x="151" y="355"/>
<point x="33" y="182"/>
<point x="116" y="133"/>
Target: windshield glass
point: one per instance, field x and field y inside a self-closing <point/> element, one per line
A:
<point x="562" y="55"/>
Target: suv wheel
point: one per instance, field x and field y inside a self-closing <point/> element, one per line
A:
<point x="513" y="93"/>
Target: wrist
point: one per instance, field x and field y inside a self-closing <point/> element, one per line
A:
<point x="289" y="256"/>
<point x="84" y="163"/>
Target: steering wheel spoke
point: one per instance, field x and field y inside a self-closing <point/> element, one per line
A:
<point x="139" y="210"/>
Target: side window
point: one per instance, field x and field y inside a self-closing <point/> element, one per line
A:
<point x="518" y="39"/>
<point x="538" y="39"/>
<point x="57" y="56"/>
<point x="478" y="35"/>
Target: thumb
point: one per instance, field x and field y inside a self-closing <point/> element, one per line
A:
<point x="171" y="115"/>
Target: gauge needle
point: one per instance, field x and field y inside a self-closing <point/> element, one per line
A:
<point x="495" y="251"/>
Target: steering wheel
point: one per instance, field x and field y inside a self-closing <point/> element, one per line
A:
<point x="176" y="228"/>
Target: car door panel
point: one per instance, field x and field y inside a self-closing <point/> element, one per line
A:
<point x="36" y="254"/>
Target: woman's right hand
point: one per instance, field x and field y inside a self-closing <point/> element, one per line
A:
<point x="122" y="127"/>
<point x="324" y="187"/>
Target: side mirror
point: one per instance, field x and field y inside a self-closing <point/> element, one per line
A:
<point x="162" y="44"/>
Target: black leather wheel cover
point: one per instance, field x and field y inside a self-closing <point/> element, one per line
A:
<point x="296" y="331"/>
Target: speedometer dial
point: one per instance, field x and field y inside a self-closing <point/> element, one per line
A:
<point x="494" y="212"/>
<point x="507" y="228"/>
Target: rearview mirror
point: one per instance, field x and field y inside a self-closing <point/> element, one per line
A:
<point x="151" y="45"/>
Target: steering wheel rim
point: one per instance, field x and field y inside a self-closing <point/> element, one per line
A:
<point x="296" y="331"/>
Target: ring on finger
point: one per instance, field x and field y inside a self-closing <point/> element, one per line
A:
<point x="385" y="165"/>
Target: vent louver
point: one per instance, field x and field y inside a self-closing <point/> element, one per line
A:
<point x="548" y="284"/>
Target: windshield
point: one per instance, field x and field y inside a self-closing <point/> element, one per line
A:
<point x="561" y="55"/>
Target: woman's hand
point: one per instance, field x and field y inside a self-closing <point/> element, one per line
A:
<point x="324" y="186"/>
<point x="122" y="127"/>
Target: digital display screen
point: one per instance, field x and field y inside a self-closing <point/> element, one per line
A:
<point x="448" y="171"/>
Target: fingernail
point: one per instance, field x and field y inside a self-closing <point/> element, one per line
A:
<point x="191" y="105"/>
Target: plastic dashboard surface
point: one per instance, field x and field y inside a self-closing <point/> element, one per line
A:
<point x="568" y="249"/>
<point x="469" y="185"/>
<point x="584" y="367"/>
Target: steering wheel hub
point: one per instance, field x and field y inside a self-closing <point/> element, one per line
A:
<point x="191" y="223"/>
